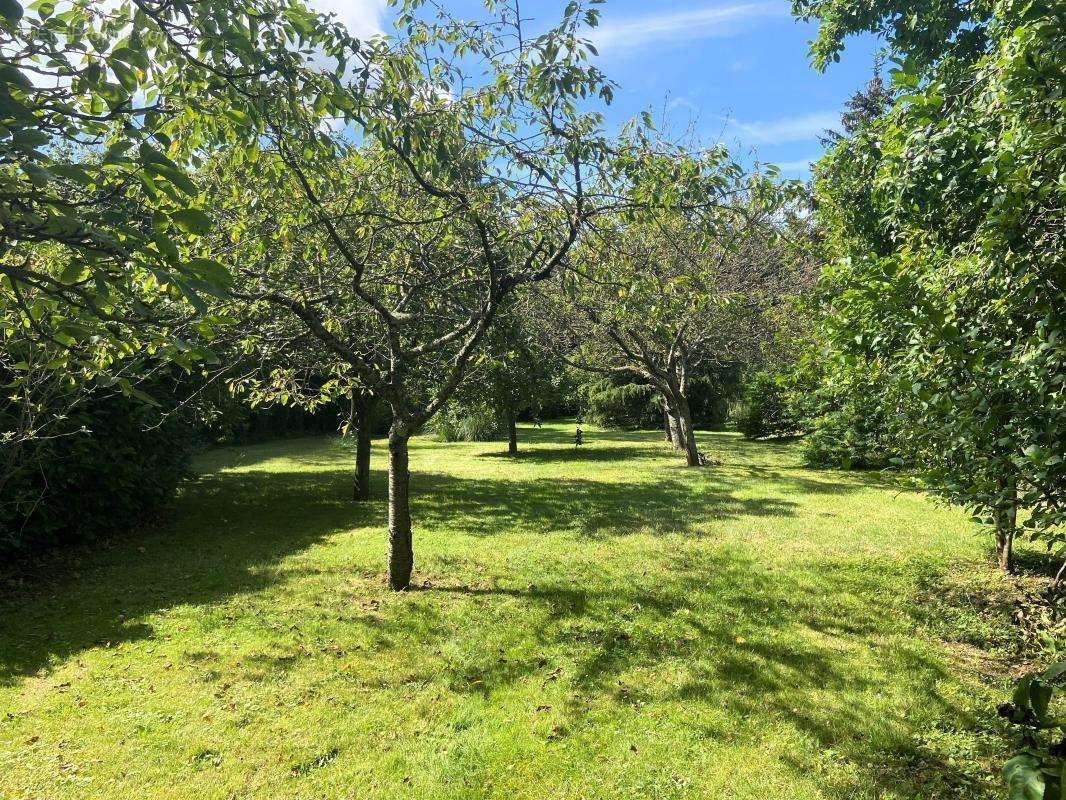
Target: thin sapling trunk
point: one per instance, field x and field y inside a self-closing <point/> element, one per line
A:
<point x="1006" y="524"/>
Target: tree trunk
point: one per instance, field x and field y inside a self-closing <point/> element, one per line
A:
<point x="512" y="432"/>
<point x="667" y="429"/>
<point x="361" y="411"/>
<point x="401" y="554"/>
<point x="687" y="431"/>
<point x="1006" y="522"/>
<point x="674" y="419"/>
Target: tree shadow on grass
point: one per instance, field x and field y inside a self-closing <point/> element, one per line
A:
<point x="1035" y="561"/>
<point x="727" y="636"/>
<point x="548" y="455"/>
<point x="232" y="528"/>
<point x="528" y="435"/>
<point x="591" y="508"/>
<point x="762" y="658"/>
<point x="229" y="531"/>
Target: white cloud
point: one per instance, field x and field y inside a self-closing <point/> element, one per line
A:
<point x="362" y="18"/>
<point x="788" y="129"/>
<point x="683" y="103"/>
<point x="800" y="165"/>
<point x="701" y="23"/>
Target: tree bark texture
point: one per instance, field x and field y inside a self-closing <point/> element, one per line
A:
<point x="361" y="412"/>
<point x="401" y="553"/>
<point x="512" y="432"/>
<point x="1006" y="523"/>
<point x="687" y="432"/>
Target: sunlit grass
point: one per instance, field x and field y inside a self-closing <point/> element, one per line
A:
<point x="593" y="622"/>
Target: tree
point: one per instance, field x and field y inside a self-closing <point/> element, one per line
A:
<point x="664" y="295"/>
<point x="962" y="300"/>
<point x="514" y="372"/>
<point x="397" y="247"/>
<point x="105" y="112"/>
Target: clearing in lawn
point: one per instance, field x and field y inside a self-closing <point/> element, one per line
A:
<point x="593" y="622"/>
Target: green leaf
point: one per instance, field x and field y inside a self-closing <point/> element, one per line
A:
<point x="74" y="272"/>
<point x="191" y="295"/>
<point x="192" y="220"/>
<point x="175" y="176"/>
<point x="149" y="155"/>
<point x="11" y="75"/>
<point x="167" y="247"/>
<point x="211" y="271"/>
<point x="144" y="397"/>
<point x="10" y="10"/>
<point x="1040" y="698"/>
<point x="1024" y="779"/>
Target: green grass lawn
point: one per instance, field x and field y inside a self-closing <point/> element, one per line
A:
<point x="591" y="623"/>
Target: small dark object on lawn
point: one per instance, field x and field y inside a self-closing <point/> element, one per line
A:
<point x="577" y="438"/>
<point x="708" y="461"/>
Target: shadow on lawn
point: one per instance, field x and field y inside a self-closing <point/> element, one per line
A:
<point x="233" y="527"/>
<point x="236" y="527"/>
<point x="230" y="529"/>
<point x="772" y="653"/>
<point x="581" y="454"/>
<point x="592" y="508"/>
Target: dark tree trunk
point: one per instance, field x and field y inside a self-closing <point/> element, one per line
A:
<point x="667" y="429"/>
<point x="361" y="412"/>
<point x="401" y="553"/>
<point x="512" y="432"/>
<point x="1006" y="522"/>
<point x="687" y="431"/>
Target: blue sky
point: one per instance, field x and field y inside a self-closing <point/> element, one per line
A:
<point x="735" y="71"/>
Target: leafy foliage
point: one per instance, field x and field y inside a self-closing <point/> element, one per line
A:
<point x="767" y="410"/>
<point x="109" y="465"/>
<point x="1038" y="770"/>
<point x="106" y="113"/>
<point x="946" y="214"/>
<point x="105" y="110"/>
<point x="628" y="406"/>
<point x="469" y="422"/>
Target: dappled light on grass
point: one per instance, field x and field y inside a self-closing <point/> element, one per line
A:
<point x="593" y="623"/>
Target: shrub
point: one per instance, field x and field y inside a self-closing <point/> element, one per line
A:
<point x="709" y="401"/>
<point x="855" y="416"/>
<point x="632" y="406"/>
<point x="232" y="420"/>
<point x="856" y="430"/>
<point x="109" y="467"/>
<point x="626" y="406"/>
<point x="1038" y="766"/>
<point x="473" y="422"/>
<point x="767" y="409"/>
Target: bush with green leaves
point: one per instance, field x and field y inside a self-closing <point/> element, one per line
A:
<point x="944" y="212"/>
<point x="853" y="417"/>
<point x="767" y="409"/>
<point x="634" y="406"/>
<point x="628" y="406"/>
<point x="110" y="465"/>
<point x="469" y="422"/>
<point x="709" y="397"/>
<point x="1037" y="770"/>
<point x="235" y="422"/>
